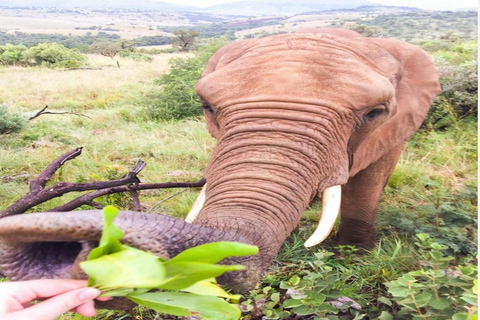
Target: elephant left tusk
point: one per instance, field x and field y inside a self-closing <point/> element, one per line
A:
<point x="197" y="206"/>
<point x="331" y="200"/>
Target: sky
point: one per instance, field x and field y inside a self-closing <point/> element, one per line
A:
<point x="423" y="4"/>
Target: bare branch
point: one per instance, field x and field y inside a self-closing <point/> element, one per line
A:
<point x="40" y="193"/>
<point x="36" y="185"/>
<point x="42" y="112"/>
<point x="88" y="197"/>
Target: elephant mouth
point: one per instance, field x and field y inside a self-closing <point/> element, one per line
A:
<point x="52" y="245"/>
<point x="44" y="259"/>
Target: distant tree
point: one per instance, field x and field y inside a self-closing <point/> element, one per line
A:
<point x="367" y="31"/>
<point x="112" y="48"/>
<point x="11" y="54"/>
<point x="107" y="48"/>
<point x="450" y="36"/>
<point x="185" y="40"/>
<point x="53" y="55"/>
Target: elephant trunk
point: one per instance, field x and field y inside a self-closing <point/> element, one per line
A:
<point x="52" y="244"/>
<point x="265" y="171"/>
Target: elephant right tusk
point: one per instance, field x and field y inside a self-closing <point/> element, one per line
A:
<point x="197" y="206"/>
<point x="331" y="200"/>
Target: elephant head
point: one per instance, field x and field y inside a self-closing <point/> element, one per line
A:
<point x="294" y="115"/>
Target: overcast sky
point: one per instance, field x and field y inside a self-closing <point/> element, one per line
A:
<point x="423" y="4"/>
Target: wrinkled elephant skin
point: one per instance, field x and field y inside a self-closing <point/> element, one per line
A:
<point x="294" y="115"/>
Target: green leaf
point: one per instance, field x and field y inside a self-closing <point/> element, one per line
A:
<point x="439" y="304"/>
<point x="399" y="292"/>
<point x="325" y="308"/>
<point x="275" y="297"/>
<point x="185" y="304"/>
<point x="109" y="242"/>
<point x="303" y="310"/>
<point x="460" y="316"/>
<point x="266" y="289"/>
<point x="184" y="274"/>
<point x="385" y="301"/>
<point x="129" y="268"/>
<point x="417" y="273"/>
<point x="295" y="280"/>
<point x="423" y="298"/>
<point x="292" y="303"/>
<point x="209" y="287"/>
<point x="467" y="270"/>
<point x="385" y="316"/>
<point x="215" y="252"/>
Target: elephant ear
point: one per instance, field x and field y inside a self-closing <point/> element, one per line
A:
<point x="416" y="87"/>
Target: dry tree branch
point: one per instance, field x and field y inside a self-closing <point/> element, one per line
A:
<point x="88" y="197"/>
<point x="42" y="112"/>
<point x="39" y="193"/>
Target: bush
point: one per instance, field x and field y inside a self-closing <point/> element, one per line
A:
<point x="11" y="122"/>
<point x="458" y="77"/>
<point x="177" y="98"/>
<point x="438" y="290"/>
<point x="11" y="54"/>
<point x="53" y="55"/>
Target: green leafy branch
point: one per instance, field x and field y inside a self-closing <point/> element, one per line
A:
<point x="187" y="281"/>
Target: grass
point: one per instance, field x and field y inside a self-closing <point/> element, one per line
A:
<point x="433" y="186"/>
<point x="105" y="96"/>
<point x="32" y="88"/>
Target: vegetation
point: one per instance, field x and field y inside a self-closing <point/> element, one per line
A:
<point x="183" y="285"/>
<point x="51" y="55"/>
<point x="228" y="28"/>
<point x="72" y="42"/>
<point x="177" y="98"/>
<point x="154" y="40"/>
<point x="185" y="40"/>
<point x="10" y="122"/>
<point x="107" y="48"/>
<point x="149" y="110"/>
<point x="413" y="26"/>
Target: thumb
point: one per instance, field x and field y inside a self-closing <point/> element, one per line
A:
<point x="53" y="307"/>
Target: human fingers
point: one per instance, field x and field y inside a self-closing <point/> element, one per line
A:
<point x="87" y="309"/>
<point x="26" y="291"/>
<point x="104" y="298"/>
<point x="55" y="306"/>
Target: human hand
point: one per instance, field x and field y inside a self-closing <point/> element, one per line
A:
<point x="59" y="296"/>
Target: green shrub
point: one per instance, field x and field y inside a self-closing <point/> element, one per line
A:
<point x="53" y="55"/>
<point x="177" y="98"/>
<point x="437" y="291"/>
<point x="11" y="54"/>
<point x="458" y="77"/>
<point x="11" y="122"/>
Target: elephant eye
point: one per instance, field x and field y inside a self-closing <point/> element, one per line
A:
<point x="375" y="112"/>
<point x="207" y="107"/>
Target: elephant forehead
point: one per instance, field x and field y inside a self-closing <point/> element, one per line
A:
<point x="314" y="70"/>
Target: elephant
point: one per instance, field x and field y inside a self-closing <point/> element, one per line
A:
<point x="319" y="111"/>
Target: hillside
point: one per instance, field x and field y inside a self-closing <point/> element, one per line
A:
<point x="282" y="8"/>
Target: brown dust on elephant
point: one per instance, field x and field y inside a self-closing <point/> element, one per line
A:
<point x="323" y="111"/>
